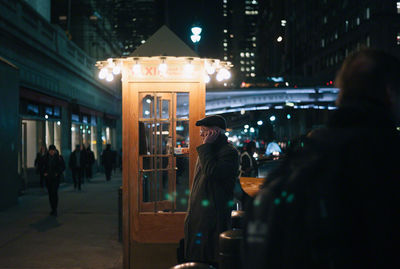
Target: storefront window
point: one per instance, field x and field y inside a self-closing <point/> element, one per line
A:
<point x="75" y="137"/>
<point x="93" y="136"/>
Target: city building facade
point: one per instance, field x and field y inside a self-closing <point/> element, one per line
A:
<point x="316" y="36"/>
<point x="50" y="95"/>
<point x="240" y="38"/>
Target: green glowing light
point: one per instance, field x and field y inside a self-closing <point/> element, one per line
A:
<point x="183" y="201"/>
<point x="231" y="203"/>
<point x="256" y="202"/>
<point x="187" y="192"/>
<point x="277" y="201"/>
<point x="205" y="203"/>
<point x="284" y="194"/>
<point x="290" y="198"/>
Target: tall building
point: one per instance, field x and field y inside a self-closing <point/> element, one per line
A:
<point x="134" y="22"/>
<point x="89" y="24"/>
<point x="240" y="38"/>
<point x="318" y="35"/>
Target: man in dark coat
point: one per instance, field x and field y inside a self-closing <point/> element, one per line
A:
<point x="89" y="162"/>
<point x="211" y="197"/>
<point x="108" y="161"/>
<point x="248" y="164"/>
<point x="52" y="166"/>
<point x="77" y="164"/>
<point x="334" y="203"/>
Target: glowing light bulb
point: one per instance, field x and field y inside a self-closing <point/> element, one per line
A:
<point x="210" y="69"/>
<point x="188" y="68"/>
<point x="103" y="73"/>
<point x="109" y="77"/>
<point x="207" y="79"/>
<point x="116" y="70"/>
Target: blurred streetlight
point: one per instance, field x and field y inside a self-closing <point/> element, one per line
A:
<point x="195" y="37"/>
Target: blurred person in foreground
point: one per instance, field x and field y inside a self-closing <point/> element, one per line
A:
<point x="211" y="197"/>
<point x="52" y="166"/>
<point x="334" y="202"/>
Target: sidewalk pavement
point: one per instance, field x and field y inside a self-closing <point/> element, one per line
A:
<point x="84" y="235"/>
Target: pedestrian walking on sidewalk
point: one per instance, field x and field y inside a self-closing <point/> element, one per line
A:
<point x="211" y="197"/>
<point x="77" y="164"/>
<point x="89" y="163"/>
<point x="108" y="161"/>
<point x="38" y="160"/>
<point x="52" y="166"/>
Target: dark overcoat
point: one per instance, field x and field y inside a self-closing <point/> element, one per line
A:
<point x="334" y="203"/>
<point x="211" y="199"/>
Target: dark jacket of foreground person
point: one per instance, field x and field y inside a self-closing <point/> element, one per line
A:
<point x="211" y="199"/>
<point x="334" y="203"/>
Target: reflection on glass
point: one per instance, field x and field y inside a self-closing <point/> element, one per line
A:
<point x="182" y="105"/>
<point x="147" y="106"/>
<point x="164" y="177"/>
<point x="182" y="134"/>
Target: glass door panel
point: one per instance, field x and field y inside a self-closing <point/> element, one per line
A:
<point x="160" y="188"/>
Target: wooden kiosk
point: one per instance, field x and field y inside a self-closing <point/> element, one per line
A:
<point x="163" y="95"/>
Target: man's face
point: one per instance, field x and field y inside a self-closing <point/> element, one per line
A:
<point x="52" y="152"/>
<point x="204" y="131"/>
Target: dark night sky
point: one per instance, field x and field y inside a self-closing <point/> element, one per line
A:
<point x="208" y="13"/>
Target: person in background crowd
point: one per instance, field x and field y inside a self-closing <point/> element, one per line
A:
<point x="108" y="161"/>
<point x="334" y="202"/>
<point x="52" y="166"/>
<point x="211" y="197"/>
<point x="248" y="165"/>
<point x="77" y="164"/>
<point x="39" y="156"/>
<point x="89" y="163"/>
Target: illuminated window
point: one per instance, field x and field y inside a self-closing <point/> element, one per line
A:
<point x="398" y="38"/>
<point x="242" y="69"/>
<point x="225" y="44"/>
<point x="254" y="38"/>
<point x="368" y="41"/>
<point x="241" y="62"/>
<point x="241" y="54"/>
<point x="283" y="23"/>
<point x="367" y="15"/>
<point x="231" y="36"/>
<point x="358" y="21"/>
<point x="225" y="31"/>
<point x="252" y="54"/>
<point x="323" y="43"/>
<point x="398" y="7"/>
<point x="225" y="58"/>
<point x="252" y="68"/>
<point x="247" y="54"/>
<point x="225" y="1"/>
<point x="252" y="74"/>
<point x="325" y="20"/>
<point x="254" y="45"/>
